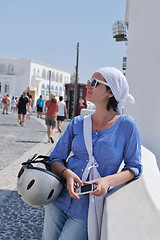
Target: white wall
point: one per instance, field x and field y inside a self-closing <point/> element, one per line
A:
<point x="24" y="76"/>
<point x="132" y="211"/>
<point x="143" y="70"/>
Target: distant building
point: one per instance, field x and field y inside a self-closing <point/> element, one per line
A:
<point x="17" y="75"/>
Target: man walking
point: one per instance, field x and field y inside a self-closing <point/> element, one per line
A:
<point x="22" y="102"/>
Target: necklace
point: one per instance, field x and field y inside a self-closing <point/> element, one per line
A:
<point x="103" y="126"/>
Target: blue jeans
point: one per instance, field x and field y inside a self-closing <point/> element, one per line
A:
<point x="60" y="226"/>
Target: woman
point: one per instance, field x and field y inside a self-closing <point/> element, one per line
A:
<point x="51" y="108"/>
<point x="115" y="137"/>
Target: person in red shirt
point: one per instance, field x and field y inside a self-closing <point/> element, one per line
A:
<point x="51" y="109"/>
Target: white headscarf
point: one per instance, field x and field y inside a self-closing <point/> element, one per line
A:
<point x="118" y="85"/>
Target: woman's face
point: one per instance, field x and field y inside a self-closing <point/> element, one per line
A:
<point x="99" y="93"/>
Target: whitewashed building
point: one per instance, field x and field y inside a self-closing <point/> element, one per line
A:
<point x="143" y="69"/>
<point x="17" y="75"/>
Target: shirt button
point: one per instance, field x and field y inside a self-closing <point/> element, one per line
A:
<point x="96" y="133"/>
<point x="93" y="140"/>
<point x="82" y="169"/>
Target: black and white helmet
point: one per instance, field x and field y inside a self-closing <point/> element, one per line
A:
<point x="38" y="186"/>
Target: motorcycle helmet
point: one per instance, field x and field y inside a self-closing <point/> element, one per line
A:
<point x="37" y="186"/>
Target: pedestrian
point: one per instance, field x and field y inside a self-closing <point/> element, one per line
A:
<point x="6" y="104"/>
<point x="40" y="103"/>
<point x="99" y="143"/>
<point x="16" y="98"/>
<point x="81" y="106"/>
<point x="61" y="114"/>
<point x="1" y="102"/>
<point x="29" y="108"/>
<point x="51" y="108"/>
<point x="13" y="105"/>
<point x="28" y="112"/>
<point x="22" y="108"/>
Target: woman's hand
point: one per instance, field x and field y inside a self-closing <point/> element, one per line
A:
<point x="102" y="186"/>
<point x="111" y="181"/>
<point x="72" y="181"/>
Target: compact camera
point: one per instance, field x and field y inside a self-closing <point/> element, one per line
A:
<point x="85" y="189"/>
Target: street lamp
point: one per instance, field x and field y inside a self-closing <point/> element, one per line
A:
<point x="49" y="76"/>
<point x="76" y="83"/>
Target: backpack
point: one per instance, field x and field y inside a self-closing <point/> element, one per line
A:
<point x="5" y="100"/>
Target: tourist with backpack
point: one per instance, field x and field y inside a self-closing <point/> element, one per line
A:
<point x="40" y="102"/>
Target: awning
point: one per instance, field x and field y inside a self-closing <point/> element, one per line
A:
<point x="31" y="88"/>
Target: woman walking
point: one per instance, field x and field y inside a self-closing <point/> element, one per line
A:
<point x="51" y="108"/>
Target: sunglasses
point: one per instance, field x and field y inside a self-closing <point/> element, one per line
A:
<point x="94" y="82"/>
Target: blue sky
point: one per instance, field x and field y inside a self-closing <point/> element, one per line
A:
<point x="48" y="31"/>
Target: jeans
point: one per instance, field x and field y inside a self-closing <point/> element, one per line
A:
<point x="60" y="226"/>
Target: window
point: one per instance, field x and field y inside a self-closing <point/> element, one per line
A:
<point x="44" y="74"/>
<point x="2" y="69"/>
<point x="43" y="89"/>
<point x="57" y="77"/>
<point x="53" y="76"/>
<point x="6" y="88"/>
<point x="47" y="90"/>
<point x="61" y="78"/>
<point x="56" y="90"/>
<point x="10" y="69"/>
<point x="60" y="91"/>
<point x="52" y="87"/>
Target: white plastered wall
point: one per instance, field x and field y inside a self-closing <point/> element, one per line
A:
<point x="143" y="70"/>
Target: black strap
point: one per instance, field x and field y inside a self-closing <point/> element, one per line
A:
<point x="45" y="159"/>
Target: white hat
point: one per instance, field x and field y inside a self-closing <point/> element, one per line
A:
<point x="118" y="85"/>
<point x="52" y="95"/>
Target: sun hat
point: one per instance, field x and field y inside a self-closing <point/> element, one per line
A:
<point x="52" y="95"/>
<point x="118" y="85"/>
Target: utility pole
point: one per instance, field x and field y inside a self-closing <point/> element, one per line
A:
<point x="49" y="76"/>
<point x="76" y="83"/>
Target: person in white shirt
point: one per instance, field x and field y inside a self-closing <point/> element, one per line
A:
<point x="61" y="114"/>
<point x="13" y="105"/>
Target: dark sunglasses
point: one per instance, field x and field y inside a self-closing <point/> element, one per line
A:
<point x="94" y="82"/>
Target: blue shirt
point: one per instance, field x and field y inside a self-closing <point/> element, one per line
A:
<point x="40" y="102"/>
<point x="110" y="147"/>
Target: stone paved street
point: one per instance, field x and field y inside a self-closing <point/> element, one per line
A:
<point x="18" y="220"/>
<point x="15" y="140"/>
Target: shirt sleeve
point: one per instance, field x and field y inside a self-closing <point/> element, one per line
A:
<point x="132" y="151"/>
<point x="63" y="147"/>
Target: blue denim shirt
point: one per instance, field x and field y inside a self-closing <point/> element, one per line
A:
<point x="110" y="147"/>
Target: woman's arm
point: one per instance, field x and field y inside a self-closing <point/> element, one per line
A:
<point x="59" y="156"/>
<point x="72" y="179"/>
<point x="111" y="181"/>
